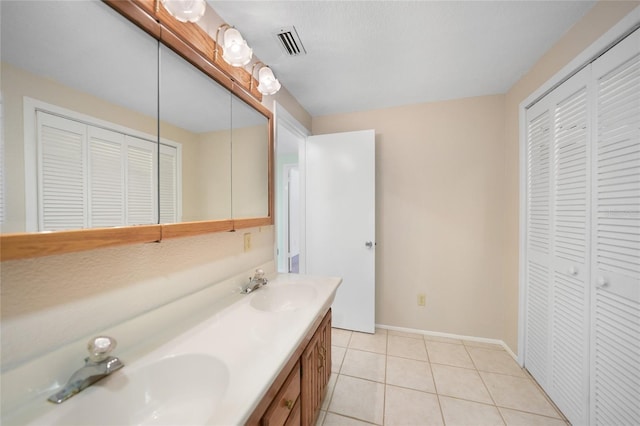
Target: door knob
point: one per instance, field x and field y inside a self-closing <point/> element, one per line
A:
<point x="369" y="244"/>
<point x="573" y="270"/>
<point x="602" y="282"/>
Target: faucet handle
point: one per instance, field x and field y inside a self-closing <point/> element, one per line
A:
<point x="259" y="274"/>
<point x="100" y="347"/>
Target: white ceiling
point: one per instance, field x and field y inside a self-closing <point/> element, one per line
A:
<point x="364" y="55"/>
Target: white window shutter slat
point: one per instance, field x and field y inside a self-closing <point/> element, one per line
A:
<point x="141" y="181"/>
<point x="106" y="178"/>
<point x="62" y="162"/>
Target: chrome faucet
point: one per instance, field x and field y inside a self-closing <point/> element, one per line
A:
<point x="97" y="365"/>
<point x="255" y="283"/>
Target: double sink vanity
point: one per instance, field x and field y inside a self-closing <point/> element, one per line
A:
<point x="264" y="359"/>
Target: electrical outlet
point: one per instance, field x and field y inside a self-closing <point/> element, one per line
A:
<point x="247" y="241"/>
<point x="422" y="299"/>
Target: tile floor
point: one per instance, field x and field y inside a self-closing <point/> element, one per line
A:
<point x="395" y="378"/>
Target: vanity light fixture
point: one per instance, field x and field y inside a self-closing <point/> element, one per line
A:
<point x="185" y="10"/>
<point x="268" y="84"/>
<point x="236" y="51"/>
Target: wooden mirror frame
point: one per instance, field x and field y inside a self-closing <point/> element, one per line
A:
<point x="197" y="47"/>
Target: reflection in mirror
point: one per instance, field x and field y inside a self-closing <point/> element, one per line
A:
<point x="79" y="88"/>
<point x="250" y="161"/>
<point x="195" y="123"/>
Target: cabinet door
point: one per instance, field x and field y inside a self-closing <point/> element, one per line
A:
<point x="316" y="370"/>
<point x="615" y="396"/>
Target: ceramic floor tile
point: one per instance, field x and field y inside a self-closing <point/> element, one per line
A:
<point x="337" y="356"/>
<point x="485" y="345"/>
<point x="365" y="365"/>
<point x="332" y="419"/>
<point x="495" y="361"/>
<point x="449" y="354"/>
<point x="329" y="394"/>
<point x="460" y="383"/>
<point x="519" y="393"/>
<point x="518" y="418"/>
<point x="340" y="337"/>
<point x="411" y="407"/>
<point x="410" y="373"/>
<point x="369" y="342"/>
<point x="407" y="347"/>
<point x="404" y="334"/>
<point x="442" y="339"/>
<point x="458" y="412"/>
<point x="358" y="398"/>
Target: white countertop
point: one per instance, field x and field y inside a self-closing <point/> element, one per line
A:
<point x="251" y="345"/>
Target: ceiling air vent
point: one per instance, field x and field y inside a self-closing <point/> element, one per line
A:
<point x="290" y="41"/>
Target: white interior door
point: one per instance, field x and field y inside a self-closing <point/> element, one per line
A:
<point x="340" y="222"/>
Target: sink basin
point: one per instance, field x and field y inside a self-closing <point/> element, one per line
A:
<point x="287" y="297"/>
<point x="183" y="389"/>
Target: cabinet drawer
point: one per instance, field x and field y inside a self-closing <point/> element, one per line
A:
<point x="286" y="402"/>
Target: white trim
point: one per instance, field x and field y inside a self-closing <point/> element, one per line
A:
<point x="288" y="121"/>
<point x="624" y="26"/>
<point x="178" y="147"/>
<point x="450" y="336"/>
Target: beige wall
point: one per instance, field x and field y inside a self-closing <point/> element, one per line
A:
<point x="595" y="23"/>
<point x="448" y="199"/>
<point x="440" y="193"/>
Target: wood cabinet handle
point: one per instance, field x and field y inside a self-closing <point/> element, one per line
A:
<point x="289" y="403"/>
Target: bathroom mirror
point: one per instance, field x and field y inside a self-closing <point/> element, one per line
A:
<point x="94" y="66"/>
<point x="250" y="161"/>
<point x="79" y="85"/>
<point x="195" y="150"/>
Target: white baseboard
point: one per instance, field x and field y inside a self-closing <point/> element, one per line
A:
<point x="451" y="336"/>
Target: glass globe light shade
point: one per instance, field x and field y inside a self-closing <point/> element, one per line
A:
<point x="268" y="83"/>
<point x="185" y="10"/>
<point x="236" y="51"/>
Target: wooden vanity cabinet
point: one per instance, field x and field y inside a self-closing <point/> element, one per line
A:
<point x="316" y="370"/>
<point x="295" y="397"/>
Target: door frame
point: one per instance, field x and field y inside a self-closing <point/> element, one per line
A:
<point x="284" y="120"/>
<point x="624" y="27"/>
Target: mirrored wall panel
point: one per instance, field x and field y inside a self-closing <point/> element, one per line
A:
<point x="250" y="161"/>
<point x="79" y="88"/>
<point x="195" y="150"/>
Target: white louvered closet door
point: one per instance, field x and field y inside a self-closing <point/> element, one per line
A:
<point x="169" y="185"/>
<point x="62" y="195"/>
<point x="615" y="396"/>
<point x="569" y="382"/>
<point x="557" y="333"/>
<point x="538" y="267"/>
<point x="141" y="178"/>
<point x="106" y="178"/>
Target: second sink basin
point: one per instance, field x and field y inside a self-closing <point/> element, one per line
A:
<point x="287" y="297"/>
<point x="183" y="389"/>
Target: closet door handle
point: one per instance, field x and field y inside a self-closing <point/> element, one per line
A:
<point x="573" y="270"/>
<point x="602" y="282"/>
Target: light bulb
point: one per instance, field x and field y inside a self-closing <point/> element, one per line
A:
<point x="268" y="83"/>
<point x="236" y="51"/>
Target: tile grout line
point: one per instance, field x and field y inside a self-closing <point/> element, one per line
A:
<point x="433" y="379"/>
